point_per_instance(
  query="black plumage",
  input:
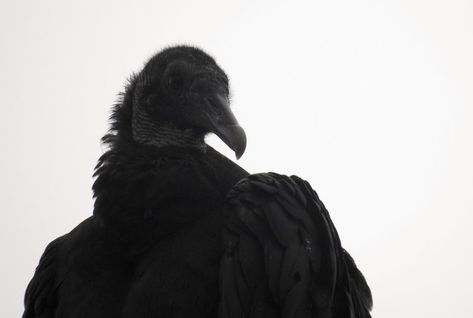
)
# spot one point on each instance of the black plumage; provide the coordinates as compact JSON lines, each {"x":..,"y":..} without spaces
{"x":283,"y":256}
{"x":178,"y":230}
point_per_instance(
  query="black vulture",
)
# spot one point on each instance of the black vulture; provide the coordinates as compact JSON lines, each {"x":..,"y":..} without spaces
{"x":179,"y":230}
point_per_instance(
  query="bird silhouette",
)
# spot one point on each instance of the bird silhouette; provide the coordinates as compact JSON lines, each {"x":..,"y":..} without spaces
{"x":179,"y":230}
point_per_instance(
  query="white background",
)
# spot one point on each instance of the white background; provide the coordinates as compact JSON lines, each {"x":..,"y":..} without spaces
{"x":370,"y":101}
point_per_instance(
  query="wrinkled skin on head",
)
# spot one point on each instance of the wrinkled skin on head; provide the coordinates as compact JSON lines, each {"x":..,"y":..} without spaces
{"x":184,"y":87}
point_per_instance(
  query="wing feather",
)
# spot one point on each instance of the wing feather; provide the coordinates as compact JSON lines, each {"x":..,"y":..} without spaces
{"x":283,"y":256}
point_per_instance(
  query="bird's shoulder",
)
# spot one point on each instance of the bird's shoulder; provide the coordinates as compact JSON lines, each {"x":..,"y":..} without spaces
{"x":41,"y":294}
{"x":86,"y":265}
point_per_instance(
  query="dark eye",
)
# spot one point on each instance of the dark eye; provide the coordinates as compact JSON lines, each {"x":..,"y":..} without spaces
{"x":175,"y":82}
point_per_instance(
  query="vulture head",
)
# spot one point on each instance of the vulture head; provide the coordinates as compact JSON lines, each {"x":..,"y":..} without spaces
{"x":180,"y":96}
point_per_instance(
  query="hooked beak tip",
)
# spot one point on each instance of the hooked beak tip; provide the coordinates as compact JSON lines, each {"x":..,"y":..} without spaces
{"x":234,"y":136}
{"x":240,"y":150}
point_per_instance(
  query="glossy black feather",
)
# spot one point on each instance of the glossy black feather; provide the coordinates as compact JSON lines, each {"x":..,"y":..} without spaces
{"x":283,"y":256}
{"x":153,"y":246}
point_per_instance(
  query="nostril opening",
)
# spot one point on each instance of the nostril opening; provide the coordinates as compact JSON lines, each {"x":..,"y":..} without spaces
{"x":211,"y":102}
{"x":215,"y":106}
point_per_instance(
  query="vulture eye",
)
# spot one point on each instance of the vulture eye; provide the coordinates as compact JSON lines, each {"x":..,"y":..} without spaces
{"x":175,"y":82}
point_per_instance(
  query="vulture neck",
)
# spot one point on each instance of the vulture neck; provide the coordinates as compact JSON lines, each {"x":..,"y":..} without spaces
{"x":147,"y":131}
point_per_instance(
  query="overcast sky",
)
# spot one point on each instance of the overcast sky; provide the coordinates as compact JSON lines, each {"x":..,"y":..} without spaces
{"x":370,"y":101}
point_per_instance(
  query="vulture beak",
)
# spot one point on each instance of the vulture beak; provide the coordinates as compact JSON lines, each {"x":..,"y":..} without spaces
{"x":225,"y":126}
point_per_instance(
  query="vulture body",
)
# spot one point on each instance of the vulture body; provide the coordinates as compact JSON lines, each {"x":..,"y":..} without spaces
{"x":179,"y":230}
